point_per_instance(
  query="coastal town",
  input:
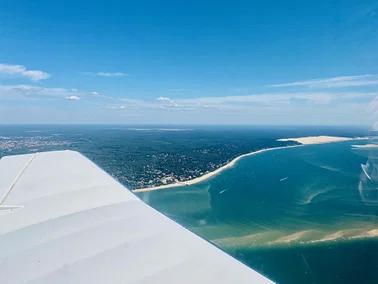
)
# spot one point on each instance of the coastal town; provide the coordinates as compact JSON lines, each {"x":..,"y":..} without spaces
{"x":138,"y":166}
{"x":152,"y":167}
{"x":30,"y":144}
{"x":166,"y":169}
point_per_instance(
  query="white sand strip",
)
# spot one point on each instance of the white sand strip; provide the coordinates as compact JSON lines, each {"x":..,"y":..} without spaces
{"x":320,"y":139}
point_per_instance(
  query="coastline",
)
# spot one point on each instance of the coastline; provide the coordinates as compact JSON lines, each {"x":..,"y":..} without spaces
{"x":210,"y":174}
{"x":302,"y":140}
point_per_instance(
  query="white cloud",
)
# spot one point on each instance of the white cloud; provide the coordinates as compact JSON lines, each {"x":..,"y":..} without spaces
{"x":179,"y":90}
{"x":343,"y":81}
{"x":107,"y":74}
{"x":271,"y":101}
{"x":110,"y":74}
{"x":133,"y":104}
{"x":168,"y":103}
{"x":73,"y":98}
{"x":21,"y":71}
{"x":132,"y":101}
{"x":285,"y":107}
{"x":19,"y":92}
{"x":280,"y":102}
{"x":96,"y":94}
{"x":163,"y":99}
{"x":115,"y":107}
{"x":25,"y":88}
{"x":277,"y":100}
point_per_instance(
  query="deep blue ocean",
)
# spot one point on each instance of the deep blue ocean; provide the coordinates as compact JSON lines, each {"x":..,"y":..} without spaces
{"x":297,"y":215}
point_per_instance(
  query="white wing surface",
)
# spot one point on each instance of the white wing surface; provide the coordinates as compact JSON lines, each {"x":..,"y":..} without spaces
{"x":64,"y":220}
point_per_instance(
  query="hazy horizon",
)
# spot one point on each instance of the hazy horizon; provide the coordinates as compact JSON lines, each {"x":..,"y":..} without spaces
{"x":189,"y":124}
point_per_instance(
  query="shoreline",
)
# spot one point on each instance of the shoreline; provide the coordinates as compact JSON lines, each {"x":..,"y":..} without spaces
{"x":210,"y":174}
{"x":311,"y":140}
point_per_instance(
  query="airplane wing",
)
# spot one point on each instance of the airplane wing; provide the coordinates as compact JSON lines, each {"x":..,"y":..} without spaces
{"x":64,"y":220}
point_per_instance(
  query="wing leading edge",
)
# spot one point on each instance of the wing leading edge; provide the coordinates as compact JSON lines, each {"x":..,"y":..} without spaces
{"x":64,"y":220}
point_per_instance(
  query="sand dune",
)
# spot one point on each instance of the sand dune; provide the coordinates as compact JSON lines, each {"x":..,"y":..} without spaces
{"x":319,"y":139}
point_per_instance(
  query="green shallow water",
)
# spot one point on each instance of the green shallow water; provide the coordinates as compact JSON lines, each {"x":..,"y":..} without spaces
{"x":296,"y":215}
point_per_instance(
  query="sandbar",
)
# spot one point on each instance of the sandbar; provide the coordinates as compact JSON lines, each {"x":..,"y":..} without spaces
{"x":320,"y":139}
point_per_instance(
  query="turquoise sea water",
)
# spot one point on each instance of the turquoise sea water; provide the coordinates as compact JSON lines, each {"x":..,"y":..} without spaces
{"x":297,"y":215}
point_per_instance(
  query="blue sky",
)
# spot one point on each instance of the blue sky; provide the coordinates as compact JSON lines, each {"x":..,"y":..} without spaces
{"x":192,"y":62}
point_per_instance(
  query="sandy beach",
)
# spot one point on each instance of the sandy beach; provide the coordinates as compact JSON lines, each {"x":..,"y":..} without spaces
{"x":211,"y":174}
{"x":303,"y":140}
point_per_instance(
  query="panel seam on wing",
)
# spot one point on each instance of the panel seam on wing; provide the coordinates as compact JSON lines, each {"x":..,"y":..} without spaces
{"x":16,"y":179}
